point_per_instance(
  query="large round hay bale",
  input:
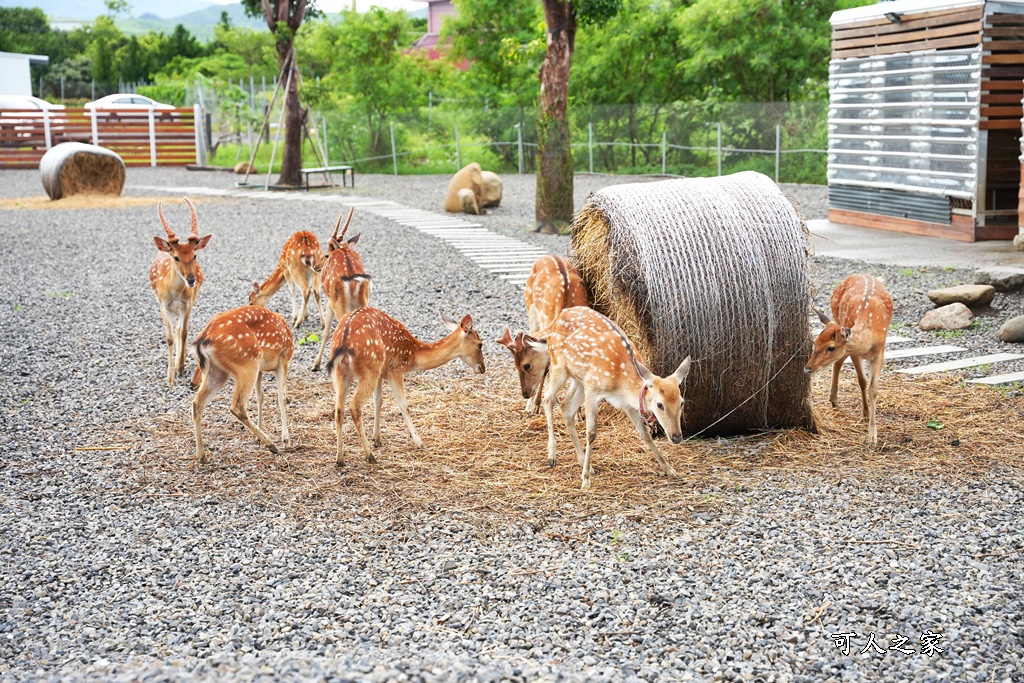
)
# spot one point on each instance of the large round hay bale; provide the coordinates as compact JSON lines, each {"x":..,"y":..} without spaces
{"x":490,"y":189}
{"x":72,"y":168}
{"x":713,"y":268}
{"x":467,"y":177}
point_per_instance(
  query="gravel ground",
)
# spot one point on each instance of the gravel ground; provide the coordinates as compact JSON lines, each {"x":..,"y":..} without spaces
{"x":101,"y":583}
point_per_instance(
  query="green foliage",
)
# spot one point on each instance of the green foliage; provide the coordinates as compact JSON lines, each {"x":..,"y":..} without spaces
{"x":934,"y":424}
{"x":595,"y":11}
{"x":168,"y":93}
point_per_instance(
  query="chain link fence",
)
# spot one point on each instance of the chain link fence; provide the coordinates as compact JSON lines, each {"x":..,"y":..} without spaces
{"x":784,"y":140}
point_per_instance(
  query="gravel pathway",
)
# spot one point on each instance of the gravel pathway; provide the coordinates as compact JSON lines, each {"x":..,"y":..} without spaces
{"x":99,"y":582}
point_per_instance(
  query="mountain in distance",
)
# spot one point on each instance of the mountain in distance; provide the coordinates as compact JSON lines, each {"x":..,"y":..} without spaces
{"x":87,"y":10}
{"x":199,"y":22}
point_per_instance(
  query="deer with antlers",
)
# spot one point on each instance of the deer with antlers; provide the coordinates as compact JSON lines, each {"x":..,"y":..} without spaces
{"x":554,"y":284}
{"x":299,"y":267}
{"x":593,"y":356}
{"x":861,"y":314}
{"x":242,"y":344}
{"x":344,"y":279}
{"x":176,"y":276}
{"x":370,"y":347}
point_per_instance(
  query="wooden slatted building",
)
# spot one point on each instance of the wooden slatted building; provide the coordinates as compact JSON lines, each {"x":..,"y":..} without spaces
{"x":925,"y":117}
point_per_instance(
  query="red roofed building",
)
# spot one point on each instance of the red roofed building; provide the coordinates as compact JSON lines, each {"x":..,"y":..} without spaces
{"x":437,"y":10}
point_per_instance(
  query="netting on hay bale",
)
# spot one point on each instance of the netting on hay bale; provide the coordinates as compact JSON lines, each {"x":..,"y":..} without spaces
{"x":72,"y":168}
{"x":713,"y":268}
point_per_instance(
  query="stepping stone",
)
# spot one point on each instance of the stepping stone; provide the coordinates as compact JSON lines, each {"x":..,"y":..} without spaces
{"x":999,"y":379}
{"x":970,"y":295}
{"x":962,"y":363}
{"x":1003,"y":279}
{"x":920,"y":351}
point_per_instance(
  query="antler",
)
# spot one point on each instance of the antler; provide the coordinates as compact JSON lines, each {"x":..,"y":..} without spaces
{"x":335,"y":236}
{"x":194,"y":235}
{"x":171,"y":237}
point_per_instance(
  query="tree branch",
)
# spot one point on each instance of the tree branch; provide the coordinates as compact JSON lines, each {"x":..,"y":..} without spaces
{"x":268,"y":14}
{"x":300,"y":13}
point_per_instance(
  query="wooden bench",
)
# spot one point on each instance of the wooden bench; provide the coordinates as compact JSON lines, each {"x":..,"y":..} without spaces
{"x":347,"y":173}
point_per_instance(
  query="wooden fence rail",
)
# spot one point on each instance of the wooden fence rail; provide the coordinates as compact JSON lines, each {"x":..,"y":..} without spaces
{"x":143,"y":137}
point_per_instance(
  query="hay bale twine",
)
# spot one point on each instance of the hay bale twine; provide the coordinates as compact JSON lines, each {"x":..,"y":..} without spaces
{"x":72,"y":168}
{"x":713,"y":268}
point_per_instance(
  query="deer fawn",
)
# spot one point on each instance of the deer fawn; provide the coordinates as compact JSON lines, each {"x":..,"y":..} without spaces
{"x":370,"y":347}
{"x":243,"y":343}
{"x":591,"y":353}
{"x":862,"y":311}
{"x":345,"y":282}
{"x":176,"y":277}
{"x":299,"y":267}
{"x":553,"y":284}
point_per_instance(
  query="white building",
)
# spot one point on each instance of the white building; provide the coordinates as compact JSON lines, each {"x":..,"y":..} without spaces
{"x":15,"y":78}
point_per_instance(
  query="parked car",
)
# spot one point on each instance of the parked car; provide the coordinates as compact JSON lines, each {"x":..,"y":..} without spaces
{"x":26,"y":102}
{"x":126,"y":101}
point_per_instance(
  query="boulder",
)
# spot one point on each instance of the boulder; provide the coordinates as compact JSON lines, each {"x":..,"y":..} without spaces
{"x":490,"y":189}
{"x":952,"y":317}
{"x":243,"y":167}
{"x":1003,"y":279}
{"x":468,"y":177}
{"x":971,"y":295}
{"x":1018,"y":242}
{"x":467,"y":202}
{"x":1012,"y":330}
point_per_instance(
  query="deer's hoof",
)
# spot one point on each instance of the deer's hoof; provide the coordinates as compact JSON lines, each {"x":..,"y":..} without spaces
{"x":273,"y":448}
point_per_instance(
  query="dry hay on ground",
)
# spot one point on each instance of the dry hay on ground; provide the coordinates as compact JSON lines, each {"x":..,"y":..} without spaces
{"x":714,"y":269}
{"x":80,"y":201}
{"x":483,"y":453}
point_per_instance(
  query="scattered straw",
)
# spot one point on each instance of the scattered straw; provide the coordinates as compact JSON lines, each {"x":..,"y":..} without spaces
{"x":483,"y":453}
{"x":80,"y":201}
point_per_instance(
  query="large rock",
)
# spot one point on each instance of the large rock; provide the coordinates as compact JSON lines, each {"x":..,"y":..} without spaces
{"x":1003,"y":279}
{"x":970,"y":295}
{"x":243,"y":167}
{"x":490,"y":189}
{"x":468,"y":177}
{"x":1012,"y":330}
{"x":952,"y":317}
{"x":1018,"y":242}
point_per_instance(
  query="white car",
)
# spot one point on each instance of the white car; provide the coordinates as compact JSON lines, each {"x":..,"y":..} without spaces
{"x":126,"y":101}
{"x":26,"y":102}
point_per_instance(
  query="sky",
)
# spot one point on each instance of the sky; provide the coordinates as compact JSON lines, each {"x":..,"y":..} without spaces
{"x":361,"y":5}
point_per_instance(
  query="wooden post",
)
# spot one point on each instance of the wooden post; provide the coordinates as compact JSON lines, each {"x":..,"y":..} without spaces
{"x":394,"y":152}
{"x":46,"y":127}
{"x":778,"y":149}
{"x":590,"y":144}
{"x":458,"y":152}
{"x":664,"y":143}
{"x":519,"y":133}
{"x":197,"y":113}
{"x":719,"y":127}
{"x":152,"y":138}
{"x":95,"y":128}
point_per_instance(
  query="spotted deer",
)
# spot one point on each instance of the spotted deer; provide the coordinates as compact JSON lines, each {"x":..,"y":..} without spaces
{"x":370,"y":347}
{"x":553,"y":285}
{"x":299,"y":267}
{"x":176,"y":277}
{"x":861,"y":314}
{"x":593,"y":356}
{"x":344,"y":279}
{"x":242,"y":344}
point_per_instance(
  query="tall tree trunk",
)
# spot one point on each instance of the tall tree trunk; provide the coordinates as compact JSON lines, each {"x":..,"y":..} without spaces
{"x":294,"y":118}
{"x":554,"y":153}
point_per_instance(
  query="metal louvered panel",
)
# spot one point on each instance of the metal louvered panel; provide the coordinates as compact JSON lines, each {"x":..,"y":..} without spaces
{"x":931,"y":208}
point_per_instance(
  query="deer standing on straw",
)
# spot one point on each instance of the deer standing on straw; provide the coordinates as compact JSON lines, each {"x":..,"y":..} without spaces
{"x":344,"y":279}
{"x":553,"y":285}
{"x":242,"y":344}
{"x":370,"y":347}
{"x":299,"y":267}
{"x":590,"y":353}
{"x":175,"y":276}
{"x":862,"y":312}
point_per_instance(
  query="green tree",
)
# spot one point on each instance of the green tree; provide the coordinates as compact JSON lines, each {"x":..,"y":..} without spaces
{"x":284,"y":17}
{"x":106,"y":39}
{"x":502,"y":42}
{"x":554,"y":152}
{"x":255,"y":48}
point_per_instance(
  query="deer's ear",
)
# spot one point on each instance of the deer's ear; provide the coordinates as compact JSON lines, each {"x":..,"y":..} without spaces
{"x":353,"y":239}
{"x":644,"y":373}
{"x":449,"y":322}
{"x":682,"y":371}
{"x":162,"y":244}
{"x":537,"y":344}
{"x":467,"y":323}
{"x":203,"y":241}
{"x":846,"y":333}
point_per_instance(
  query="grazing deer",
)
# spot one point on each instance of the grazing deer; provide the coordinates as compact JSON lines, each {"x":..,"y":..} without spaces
{"x":861,"y":312}
{"x":553,"y":284}
{"x":176,"y":277}
{"x":591,"y":353}
{"x":370,"y":347}
{"x":243,"y":343}
{"x":299,"y":267}
{"x":344,"y":279}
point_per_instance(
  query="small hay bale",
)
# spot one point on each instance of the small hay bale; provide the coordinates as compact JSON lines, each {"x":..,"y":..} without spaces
{"x":490,"y":189}
{"x":713,"y":268}
{"x":72,"y":168}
